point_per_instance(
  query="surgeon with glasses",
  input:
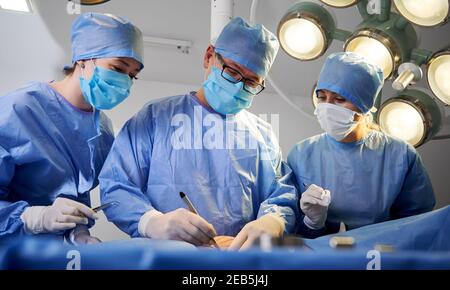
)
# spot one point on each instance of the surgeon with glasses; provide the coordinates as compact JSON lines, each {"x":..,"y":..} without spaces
{"x":231,"y":169}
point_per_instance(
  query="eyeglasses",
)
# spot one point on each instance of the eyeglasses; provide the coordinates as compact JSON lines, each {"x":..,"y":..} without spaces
{"x":234,"y":76}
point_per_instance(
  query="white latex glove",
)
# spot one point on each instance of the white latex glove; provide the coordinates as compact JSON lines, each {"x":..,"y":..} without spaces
{"x":80,"y":235}
{"x":314,"y":204}
{"x":270,"y":224}
{"x":63,"y":214}
{"x":180,"y":224}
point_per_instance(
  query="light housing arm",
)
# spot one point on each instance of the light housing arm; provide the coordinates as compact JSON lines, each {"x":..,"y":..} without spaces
{"x":408,"y":73}
{"x":341,"y":35}
{"x":442,"y":137}
{"x":385,"y":10}
{"x":362,"y":9}
{"x":401,"y":23}
{"x":420,"y":56}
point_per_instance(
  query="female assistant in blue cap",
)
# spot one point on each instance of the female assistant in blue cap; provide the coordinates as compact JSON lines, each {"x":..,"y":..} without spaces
{"x":354,"y":173}
{"x":53,"y":138}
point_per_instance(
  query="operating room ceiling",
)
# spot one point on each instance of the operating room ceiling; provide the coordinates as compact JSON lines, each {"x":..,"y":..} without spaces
{"x":190,"y":20}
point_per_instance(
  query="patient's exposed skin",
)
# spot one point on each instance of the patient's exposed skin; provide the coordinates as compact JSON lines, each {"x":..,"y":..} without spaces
{"x":223,"y":241}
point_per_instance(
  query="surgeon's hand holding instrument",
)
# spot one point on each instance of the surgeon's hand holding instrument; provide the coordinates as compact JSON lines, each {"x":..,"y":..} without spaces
{"x":180,"y":224}
{"x":191,"y":207}
{"x":81,"y":235}
{"x":63,"y":214}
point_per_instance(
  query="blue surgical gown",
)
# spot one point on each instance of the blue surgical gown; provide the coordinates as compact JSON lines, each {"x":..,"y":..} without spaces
{"x":48,"y":148}
{"x":376,"y":179}
{"x":228,"y":185}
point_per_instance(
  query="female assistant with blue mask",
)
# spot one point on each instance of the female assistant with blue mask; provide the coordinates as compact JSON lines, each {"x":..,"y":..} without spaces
{"x":354,"y":173}
{"x":53,"y":138}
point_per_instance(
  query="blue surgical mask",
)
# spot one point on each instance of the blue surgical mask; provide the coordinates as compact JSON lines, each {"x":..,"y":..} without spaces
{"x":225,"y":97}
{"x":106,"y":88}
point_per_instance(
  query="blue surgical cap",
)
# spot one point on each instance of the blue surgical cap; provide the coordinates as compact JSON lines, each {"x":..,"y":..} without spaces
{"x":353,"y":77}
{"x":252,"y":46}
{"x":96,"y":35}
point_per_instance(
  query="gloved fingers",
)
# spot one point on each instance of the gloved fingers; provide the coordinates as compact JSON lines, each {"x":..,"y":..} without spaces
{"x":314,"y":191}
{"x":86,"y":211}
{"x":197,"y":233}
{"x":239,"y":240}
{"x":56,"y":226}
{"x":70,"y":210}
{"x":308,"y":200}
{"x":184,"y":235}
{"x":77,"y":212}
{"x":325,"y":200}
{"x":315,"y":201}
{"x":73,"y":211}
{"x":315,"y":187}
{"x":327,"y":197}
{"x":249,"y":242}
{"x":72,"y":219}
{"x":323,"y":196}
{"x":202,"y":224}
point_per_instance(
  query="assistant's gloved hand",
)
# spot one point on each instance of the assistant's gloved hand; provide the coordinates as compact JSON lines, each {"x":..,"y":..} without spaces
{"x":314,"y":204}
{"x":271,"y":224}
{"x":80,"y":235}
{"x":63,"y":214}
{"x":180,"y":224}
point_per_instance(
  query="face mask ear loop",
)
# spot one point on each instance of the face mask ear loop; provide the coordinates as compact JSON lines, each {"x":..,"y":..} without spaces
{"x":212,"y":65}
{"x":82,"y":66}
{"x":96,"y":111}
{"x":217,"y":62}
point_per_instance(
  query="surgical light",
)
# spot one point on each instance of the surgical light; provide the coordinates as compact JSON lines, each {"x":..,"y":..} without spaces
{"x":92,"y":2}
{"x":16,"y":5}
{"x":438,"y":74}
{"x":339,"y":3}
{"x":306,"y":31}
{"x":412,"y":116}
{"x":375,"y":51}
{"x":424,"y":12}
{"x":384,"y":43}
